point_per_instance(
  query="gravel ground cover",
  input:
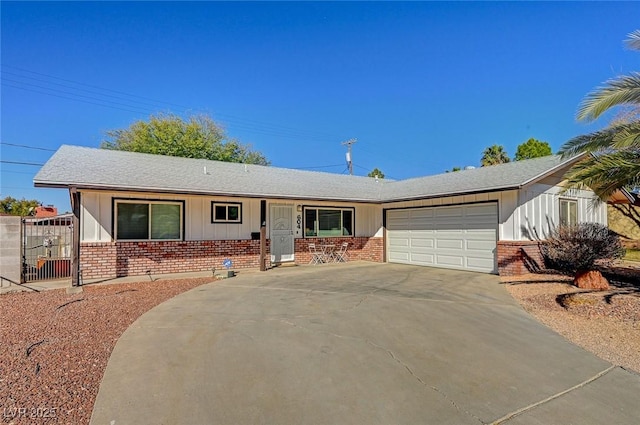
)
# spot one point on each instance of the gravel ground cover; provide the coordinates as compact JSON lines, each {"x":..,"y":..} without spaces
{"x":54,"y":347}
{"x":606,"y":323}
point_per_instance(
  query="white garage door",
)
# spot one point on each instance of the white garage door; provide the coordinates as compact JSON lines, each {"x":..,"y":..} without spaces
{"x":458,"y":237}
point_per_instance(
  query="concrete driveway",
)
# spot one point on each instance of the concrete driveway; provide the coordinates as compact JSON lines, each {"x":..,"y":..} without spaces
{"x":358,"y":343}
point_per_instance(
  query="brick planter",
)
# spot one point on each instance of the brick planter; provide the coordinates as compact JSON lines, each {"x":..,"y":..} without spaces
{"x":519,"y":257}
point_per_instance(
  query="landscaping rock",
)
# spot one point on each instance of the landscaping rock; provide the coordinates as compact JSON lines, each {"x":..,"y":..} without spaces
{"x":591,"y":279}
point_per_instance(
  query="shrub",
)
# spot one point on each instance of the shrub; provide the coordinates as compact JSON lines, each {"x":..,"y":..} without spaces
{"x":570,"y":249}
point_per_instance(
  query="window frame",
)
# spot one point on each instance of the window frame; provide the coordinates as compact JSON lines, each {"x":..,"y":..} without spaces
{"x":564,"y":204}
{"x":214,"y":204}
{"x":316,"y":230}
{"x":149,"y":202}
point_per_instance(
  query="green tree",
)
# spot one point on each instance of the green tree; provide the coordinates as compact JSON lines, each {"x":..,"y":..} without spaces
{"x":197,"y":137}
{"x":532,"y":148}
{"x":615,"y":159}
{"x":376,"y":173}
{"x":494,"y":155}
{"x":453,"y":170}
{"x":13,"y":206}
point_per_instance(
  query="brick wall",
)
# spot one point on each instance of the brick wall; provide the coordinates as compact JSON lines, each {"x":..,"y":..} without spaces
{"x":116,"y":259}
{"x":360,"y":248}
{"x":519,"y":257}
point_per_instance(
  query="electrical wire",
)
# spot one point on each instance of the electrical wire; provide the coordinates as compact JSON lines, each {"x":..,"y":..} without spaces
{"x":258,"y":127}
{"x":21,"y":163}
{"x":27,"y":146}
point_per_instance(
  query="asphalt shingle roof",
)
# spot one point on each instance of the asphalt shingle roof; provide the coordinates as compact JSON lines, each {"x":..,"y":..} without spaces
{"x":484,"y":179}
{"x":90,"y":168}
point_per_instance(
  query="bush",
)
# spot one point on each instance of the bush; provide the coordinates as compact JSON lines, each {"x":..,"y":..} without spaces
{"x":570,"y":249}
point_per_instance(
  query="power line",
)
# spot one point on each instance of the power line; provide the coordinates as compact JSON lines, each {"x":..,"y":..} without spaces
{"x":70,"y":98}
{"x":22,"y":163}
{"x":140,"y":110}
{"x":248,"y":125}
{"x":73,"y":88}
{"x":92,"y":86}
{"x":27,"y":147}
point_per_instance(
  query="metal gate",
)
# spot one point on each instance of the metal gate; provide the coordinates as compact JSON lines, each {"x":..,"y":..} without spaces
{"x":46,"y":247}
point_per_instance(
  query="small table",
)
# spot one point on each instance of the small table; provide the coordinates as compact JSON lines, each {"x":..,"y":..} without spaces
{"x":328,"y":252}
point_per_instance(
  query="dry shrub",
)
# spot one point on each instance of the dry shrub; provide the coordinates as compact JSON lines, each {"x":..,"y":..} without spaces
{"x":575,"y":248}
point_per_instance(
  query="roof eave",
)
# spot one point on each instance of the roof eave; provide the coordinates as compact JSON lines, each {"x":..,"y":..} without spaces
{"x":552,"y":170}
{"x":442,"y":195}
{"x":96,"y":187}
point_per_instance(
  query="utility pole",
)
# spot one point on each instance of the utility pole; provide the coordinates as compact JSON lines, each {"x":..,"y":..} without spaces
{"x":348,"y":143}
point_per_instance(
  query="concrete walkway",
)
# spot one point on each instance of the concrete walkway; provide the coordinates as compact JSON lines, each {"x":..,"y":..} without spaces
{"x":356,"y":344}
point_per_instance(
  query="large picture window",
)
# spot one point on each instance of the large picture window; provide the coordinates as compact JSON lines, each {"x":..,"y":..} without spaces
{"x":328,"y":222}
{"x":148,"y":220}
{"x":226,"y":212}
{"x":568,"y":212}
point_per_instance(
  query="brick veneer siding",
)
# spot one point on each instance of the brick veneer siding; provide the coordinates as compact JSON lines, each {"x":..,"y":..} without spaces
{"x":519,"y":257}
{"x":360,"y":248}
{"x":116,"y":259}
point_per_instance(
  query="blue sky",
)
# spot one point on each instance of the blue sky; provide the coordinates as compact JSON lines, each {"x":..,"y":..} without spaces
{"x":423,"y":86}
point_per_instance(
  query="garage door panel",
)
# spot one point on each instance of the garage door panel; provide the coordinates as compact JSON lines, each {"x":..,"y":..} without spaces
{"x":398,"y":225}
{"x":448,"y":212}
{"x":449,"y":260}
{"x":481,"y":245}
{"x":459,"y":237}
{"x":397,"y":256}
{"x":420,"y":214}
{"x":422,"y":242}
{"x":488,"y":210}
{"x":399,"y":243}
{"x":457,"y":244}
{"x":422,"y":259}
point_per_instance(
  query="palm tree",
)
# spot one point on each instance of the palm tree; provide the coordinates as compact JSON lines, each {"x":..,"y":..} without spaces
{"x":615,"y":160}
{"x":494,"y":155}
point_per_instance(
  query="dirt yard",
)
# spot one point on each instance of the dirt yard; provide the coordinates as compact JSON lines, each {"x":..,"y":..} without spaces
{"x":55,"y":346}
{"x":606,"y":323}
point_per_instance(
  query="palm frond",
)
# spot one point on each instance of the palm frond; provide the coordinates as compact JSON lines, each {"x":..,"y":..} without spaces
{"x":621,"y":136}
{"x":617,"y":91}
{"x":633,"y":40}
{"x":606,"y":174}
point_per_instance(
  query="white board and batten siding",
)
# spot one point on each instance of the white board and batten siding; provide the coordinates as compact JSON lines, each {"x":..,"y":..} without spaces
{"x":458,"y":236}
{"x":96,"y":215}
{"x":539,"y":210}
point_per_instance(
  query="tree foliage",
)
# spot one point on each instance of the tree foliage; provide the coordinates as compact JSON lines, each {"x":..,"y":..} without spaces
{"x":615,"y":160}
{"x":532,"y":148}
{"x":570,"y":249}
{"x":376,"y":173}
{"x":494,"y":155}
{"x":21,"y":207}
{"x":453,"y":170}
{"x":197,"y":137}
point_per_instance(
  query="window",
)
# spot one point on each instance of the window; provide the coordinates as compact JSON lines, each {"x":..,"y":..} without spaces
{"x":568,"y":212}
{"x":328,"y":222}
{"x":148,"y":220}
{"x":228,"y":212}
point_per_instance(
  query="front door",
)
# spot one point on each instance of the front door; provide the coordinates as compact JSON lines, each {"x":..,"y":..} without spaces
{"x":281,"y":233}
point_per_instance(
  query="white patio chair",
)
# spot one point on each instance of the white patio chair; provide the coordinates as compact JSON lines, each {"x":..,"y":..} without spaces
{"x":317,"y":256}
{"x":340,"y":255}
